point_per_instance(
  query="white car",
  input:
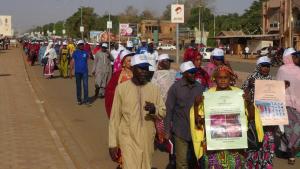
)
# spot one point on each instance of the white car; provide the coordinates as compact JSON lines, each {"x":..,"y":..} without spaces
{"x":206,"y":53}
{"x":166,"y":47}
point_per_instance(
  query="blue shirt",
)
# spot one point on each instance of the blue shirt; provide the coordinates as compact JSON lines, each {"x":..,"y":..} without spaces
{"x":142,"y":50}
{"x":80,"y":58}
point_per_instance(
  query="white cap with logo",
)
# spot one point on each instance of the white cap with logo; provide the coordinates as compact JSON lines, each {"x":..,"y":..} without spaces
{"x":80,"y":42}
{"x":139,"y":60}
{"x":186,"y":66}
{"x":104,"y":45}
{"x":263,"y":59}
{"x":288,"y":51}
{"x":126,"y":53}
{"x":217,"y":52}
{"x":164,"y":57}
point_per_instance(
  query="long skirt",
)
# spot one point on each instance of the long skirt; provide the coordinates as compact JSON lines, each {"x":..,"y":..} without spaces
{"x":49,"y":68}
{"x":292,"y":133}
{"x":262,"y":158}
{"x":226,"y":159}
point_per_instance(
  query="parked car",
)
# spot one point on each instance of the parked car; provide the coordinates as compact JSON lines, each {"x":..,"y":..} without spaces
{"x":206,"y":53}
{"x":166,"y":47}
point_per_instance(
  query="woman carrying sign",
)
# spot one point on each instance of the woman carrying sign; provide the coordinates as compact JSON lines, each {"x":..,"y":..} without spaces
{"x":262,"y":157}
{"x":228,"y":159}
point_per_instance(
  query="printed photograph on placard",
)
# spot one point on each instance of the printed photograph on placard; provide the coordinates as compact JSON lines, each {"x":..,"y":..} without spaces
{"x":268,"y":108}
{"x":226,"y":126}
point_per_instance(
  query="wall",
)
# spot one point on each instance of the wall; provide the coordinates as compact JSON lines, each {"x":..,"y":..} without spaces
{"x":5,"y":25}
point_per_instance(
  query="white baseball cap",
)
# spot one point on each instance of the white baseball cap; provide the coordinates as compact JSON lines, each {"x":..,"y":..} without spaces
{"x":263,"y":60}
{"x":188,"y":66}
{"x":126,"y":53}
{"x":80,"y":42}
{"x":64,"y":43}
{"x":104,"y":45}
{"x":164,"y":57}
{"x":217,"y":52}
{"x":288,"y":51}
{"x":129,"y":44}
{"x":140,"y":60}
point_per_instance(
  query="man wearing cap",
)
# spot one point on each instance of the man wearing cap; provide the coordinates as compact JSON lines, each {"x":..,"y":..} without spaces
{"x":164,"y":78}
{"x":63,"y":60}
{"x":131,"y":128}
{"x":181,"y":97}
{"x":142,"y":49}
{"x":129,"y":46}
{"x":102,"y":70}
{"x":80,"y":60}
{"x":152,"y":56}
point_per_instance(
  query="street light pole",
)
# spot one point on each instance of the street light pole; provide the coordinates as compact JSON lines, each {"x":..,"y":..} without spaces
{"x":109,"y":32}
{"x":177,"y":42}
{"x":81,"y":22}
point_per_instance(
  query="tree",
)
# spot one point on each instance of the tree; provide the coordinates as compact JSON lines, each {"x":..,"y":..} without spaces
{"x":130,"y":15}
{"x":147,"y":14}
{"x":89,"y":21}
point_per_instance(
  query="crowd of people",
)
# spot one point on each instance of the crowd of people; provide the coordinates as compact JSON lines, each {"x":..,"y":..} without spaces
{"x":151,"y":106}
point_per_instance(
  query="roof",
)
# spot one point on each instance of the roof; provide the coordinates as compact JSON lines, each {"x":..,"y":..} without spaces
{"x":248,"y":36}
{"x":231,"y":33}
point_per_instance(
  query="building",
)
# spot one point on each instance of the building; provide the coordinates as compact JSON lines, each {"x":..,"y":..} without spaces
{"x":166,"y":30}
{"x":282,"y":17}
{"x":5,"y":26}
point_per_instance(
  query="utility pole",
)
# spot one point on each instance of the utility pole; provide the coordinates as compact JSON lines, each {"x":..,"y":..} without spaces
{"x":81,"y":22}
{"x":177,"y":42}
{"x":214,"y":25}
{"x":109,"y":32}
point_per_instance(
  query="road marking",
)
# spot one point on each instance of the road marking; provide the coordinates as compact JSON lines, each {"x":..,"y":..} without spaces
{"x":58,"y":142}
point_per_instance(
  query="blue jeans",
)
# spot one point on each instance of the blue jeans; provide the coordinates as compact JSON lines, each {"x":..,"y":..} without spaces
{"x":82,"y":77}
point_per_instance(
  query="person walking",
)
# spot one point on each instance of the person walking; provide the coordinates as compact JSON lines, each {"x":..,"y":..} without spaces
{"x":63,"y":60}
{"x":102,"y":70}
{"x":289,"y":72}
{"x":42,"y":51}
{"x":246,"y":52}
{"x":131,"y":125}
{"x":180,"y":99}
{"x":51,"y":56}
{"x":164,"y":78}
{"x":263,"y":157}
{"x":80,"y":62}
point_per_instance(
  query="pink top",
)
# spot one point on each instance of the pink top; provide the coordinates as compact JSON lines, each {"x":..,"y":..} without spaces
{"x":290,"y":72}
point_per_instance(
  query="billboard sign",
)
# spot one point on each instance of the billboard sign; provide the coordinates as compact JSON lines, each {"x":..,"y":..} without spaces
{"x":95,"y":35}
{"x":5,"y":25}
{"x":128,"y":29}
{"x":177,"y":13}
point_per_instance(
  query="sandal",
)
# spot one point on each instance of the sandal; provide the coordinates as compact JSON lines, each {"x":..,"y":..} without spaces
{"x":291,"y":161}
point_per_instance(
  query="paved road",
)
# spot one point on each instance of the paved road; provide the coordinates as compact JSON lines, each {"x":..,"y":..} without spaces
{"x":81,"y":129}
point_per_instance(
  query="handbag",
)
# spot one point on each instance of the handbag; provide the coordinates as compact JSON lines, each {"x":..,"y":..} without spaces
{"x":253,"y":143}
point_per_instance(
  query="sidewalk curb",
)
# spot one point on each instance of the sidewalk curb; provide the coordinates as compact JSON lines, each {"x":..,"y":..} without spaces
{"x":58,"y":142}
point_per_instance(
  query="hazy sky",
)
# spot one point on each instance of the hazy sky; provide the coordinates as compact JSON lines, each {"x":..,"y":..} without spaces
{"x":26,"y":13}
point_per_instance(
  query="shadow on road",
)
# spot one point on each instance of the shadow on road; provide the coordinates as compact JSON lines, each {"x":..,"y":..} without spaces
{"x":4,"y":75}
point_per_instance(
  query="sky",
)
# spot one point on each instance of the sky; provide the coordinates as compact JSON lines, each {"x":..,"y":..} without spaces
{"x":29,"y":13}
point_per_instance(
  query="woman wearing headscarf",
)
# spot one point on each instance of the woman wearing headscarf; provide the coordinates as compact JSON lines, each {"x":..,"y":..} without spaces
{"x":51,"y":56}
{"x":227,"y":159}
{"x":289,"y":72}
{"x":263,"y":157}
{"x":121,"y":75}
{"x":201,"y":75}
